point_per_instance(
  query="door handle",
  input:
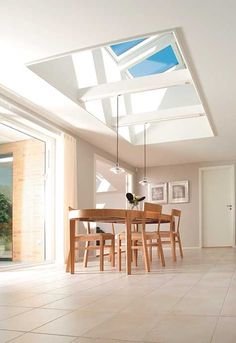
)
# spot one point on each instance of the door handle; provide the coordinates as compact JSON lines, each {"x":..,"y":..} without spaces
{"x":229,"y":207}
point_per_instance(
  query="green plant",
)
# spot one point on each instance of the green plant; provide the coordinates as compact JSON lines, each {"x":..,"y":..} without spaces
{"x":5,"y":218}
{"x":5,"y":209}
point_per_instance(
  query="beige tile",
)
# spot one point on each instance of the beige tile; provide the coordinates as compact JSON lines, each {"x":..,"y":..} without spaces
{"x":229,"y":307}
{"x":11,"y":298}
{"x":183,"y":329}
{"x":225,"y":330}
{"x":6,"y":336}
{"x":185,"y":279}
{"x":75,"y":323}
{"x":154,"y":306}
{"x":110,"y":303}
{"x":40,"y":338}
{"x":10,"y":311}
{"x":124,"y":326}
{"x":216,"y":279}
{"x":98,"y":340}
{"x":201,"y":301}
{"x":31,"y":319}
{"x":39,"y":300}
{"x":73,"y":302}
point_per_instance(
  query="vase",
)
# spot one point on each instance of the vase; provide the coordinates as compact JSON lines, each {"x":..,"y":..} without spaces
{"x":134,"y":207}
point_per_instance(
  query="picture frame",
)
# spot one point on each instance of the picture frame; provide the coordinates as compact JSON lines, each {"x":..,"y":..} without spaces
{"x":178,"y":192}
{"x":158,"y":193}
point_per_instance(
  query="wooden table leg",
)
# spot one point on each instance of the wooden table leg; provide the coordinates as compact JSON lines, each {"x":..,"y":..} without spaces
{"x":72,"y":246}
{"x":128,"y":244}
{"x":68,"y":262}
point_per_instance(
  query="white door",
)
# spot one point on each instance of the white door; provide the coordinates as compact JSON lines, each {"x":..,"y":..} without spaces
{"x":217,"y":206}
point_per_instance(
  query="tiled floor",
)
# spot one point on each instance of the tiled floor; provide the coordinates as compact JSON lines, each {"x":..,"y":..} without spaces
{"x":193,"y":300}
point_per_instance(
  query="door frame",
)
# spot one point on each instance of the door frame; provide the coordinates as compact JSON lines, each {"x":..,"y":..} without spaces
{"x":201,"y":170}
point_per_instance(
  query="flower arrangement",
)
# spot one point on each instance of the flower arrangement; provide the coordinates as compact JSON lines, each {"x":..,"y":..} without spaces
{"x":134,"y":199}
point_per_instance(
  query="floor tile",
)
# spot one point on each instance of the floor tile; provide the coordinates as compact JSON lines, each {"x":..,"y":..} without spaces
{"x":98,"y":340}
{"x":39,"y":300}
{"x":229,"y":307}
{"x":110,"y":303}
{"x":10,"y":311}
{"x":72,"y":302}
{"x":201,"y":301}
{"x":124,"y":326}
{"x":40,"y":338}
{"x":183,"y":329}
{"x":194,"y":296}
{"x":225,"y":330}
{"x":6,"y":335}
{"x":75,"y":323}
{"x":31,"y":319}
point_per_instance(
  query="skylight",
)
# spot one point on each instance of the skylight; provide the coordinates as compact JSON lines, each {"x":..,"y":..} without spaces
{"x":160,"y":62}
{"x":121,"y":48}
{"x":152,"y":79}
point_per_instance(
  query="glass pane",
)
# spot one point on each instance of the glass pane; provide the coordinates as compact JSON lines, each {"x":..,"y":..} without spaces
{"x":22,"y":197}
{"x":155,"y":64}
{"x":120,"y":48}
{"x":6,"y":181}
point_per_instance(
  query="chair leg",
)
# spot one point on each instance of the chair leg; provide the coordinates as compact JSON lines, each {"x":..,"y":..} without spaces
{"x":173,"y":250}
{"x":160,"y":253}
{"x":119,"y":253}
{"x":158,"y":250}
{"x":150,"y":250}
{"x":180,"y":247}
{"x":135,"y":251}
{"x":68,"y":263}
{"x":113,"y":252}
{"x":145,"y":255}
{"x":86,"y":253}
{"x":101,"y":254}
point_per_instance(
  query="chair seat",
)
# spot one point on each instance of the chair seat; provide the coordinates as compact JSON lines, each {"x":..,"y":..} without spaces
{"x":167,"y":233}
{"x":94,"y":236}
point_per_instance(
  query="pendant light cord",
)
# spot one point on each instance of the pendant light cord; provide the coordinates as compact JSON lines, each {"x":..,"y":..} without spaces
{"x":117,"y":130}
{"x":145,"y":152}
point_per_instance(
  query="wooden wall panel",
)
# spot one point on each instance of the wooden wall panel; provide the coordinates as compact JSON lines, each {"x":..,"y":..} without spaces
{"x":28,"y":199}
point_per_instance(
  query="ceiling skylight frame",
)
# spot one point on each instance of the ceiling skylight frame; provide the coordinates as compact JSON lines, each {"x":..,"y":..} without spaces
{"x":129,"y":58}
{"x":146,"y":49}
{"x":147,"y":40}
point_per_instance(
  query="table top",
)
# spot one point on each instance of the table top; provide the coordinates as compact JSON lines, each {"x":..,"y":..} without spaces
{"x":115,"y":215}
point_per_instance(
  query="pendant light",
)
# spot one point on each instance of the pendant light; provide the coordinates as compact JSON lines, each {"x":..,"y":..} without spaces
{"x":144,"y":181}
{"x":117,"y":169}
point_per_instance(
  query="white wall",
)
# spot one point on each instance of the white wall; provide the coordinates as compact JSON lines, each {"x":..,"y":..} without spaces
{"x":190,"y":211}
{"x":87,"y":170}
{"x":86,"y":180}
{"x":111,"y":200}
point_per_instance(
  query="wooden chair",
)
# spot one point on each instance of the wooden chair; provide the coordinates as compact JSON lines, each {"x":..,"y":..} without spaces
{"x":139,"y":240}
{"x":149,"y":206}
{"x":99,"y":238}
{"x":172,"y":236}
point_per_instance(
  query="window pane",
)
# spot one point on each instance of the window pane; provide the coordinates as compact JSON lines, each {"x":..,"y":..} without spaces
{"x":120,"y":48}
{"x":155,"y":64}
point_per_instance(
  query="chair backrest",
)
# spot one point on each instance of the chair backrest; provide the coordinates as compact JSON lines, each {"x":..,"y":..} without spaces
{"x":149,"y":206}
{"x":175,"y":214}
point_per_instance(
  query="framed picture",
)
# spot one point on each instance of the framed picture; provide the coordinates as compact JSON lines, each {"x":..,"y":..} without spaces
{"x":178,"y":192}
{"x":158,"y":193}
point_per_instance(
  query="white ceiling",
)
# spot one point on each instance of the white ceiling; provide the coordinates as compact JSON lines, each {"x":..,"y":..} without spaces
{"x":35,"y":30}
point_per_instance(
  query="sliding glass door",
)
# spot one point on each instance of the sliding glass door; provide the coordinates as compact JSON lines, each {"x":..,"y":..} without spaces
{"x":6,"y":191}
